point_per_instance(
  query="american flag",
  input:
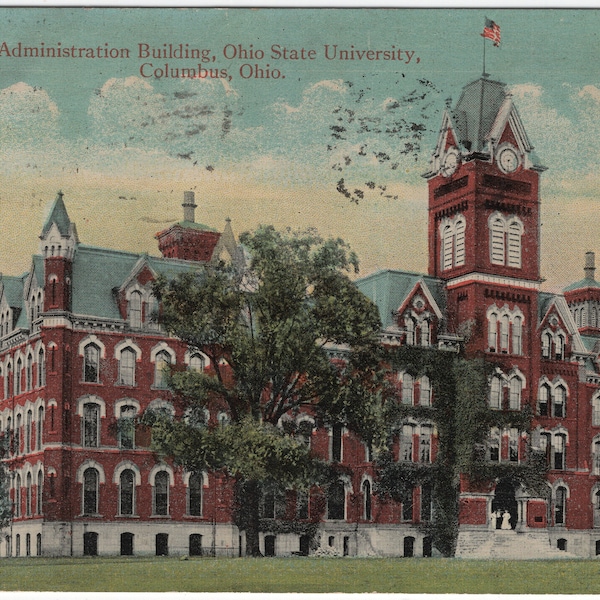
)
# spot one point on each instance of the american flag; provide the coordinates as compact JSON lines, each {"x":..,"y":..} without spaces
{"x":491,"y":31}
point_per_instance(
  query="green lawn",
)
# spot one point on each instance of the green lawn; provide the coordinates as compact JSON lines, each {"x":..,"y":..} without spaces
{"x":306,"y":575}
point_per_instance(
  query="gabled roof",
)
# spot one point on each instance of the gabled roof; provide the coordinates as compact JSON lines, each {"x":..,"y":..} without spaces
{"x":99,"y":272}
{"x":588,"y":282}
{"x":558,"y":302}
{"x":13,"y":290}
{"x":389,"y":289}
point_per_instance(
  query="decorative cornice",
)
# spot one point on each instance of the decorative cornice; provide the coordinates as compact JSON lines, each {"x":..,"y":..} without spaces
{"x":493,"y":279}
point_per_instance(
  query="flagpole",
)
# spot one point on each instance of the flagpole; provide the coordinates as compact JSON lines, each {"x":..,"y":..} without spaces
{"x":484,"y":74}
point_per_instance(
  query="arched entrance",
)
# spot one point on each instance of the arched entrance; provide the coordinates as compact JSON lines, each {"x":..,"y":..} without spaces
{"x":505,"y":501}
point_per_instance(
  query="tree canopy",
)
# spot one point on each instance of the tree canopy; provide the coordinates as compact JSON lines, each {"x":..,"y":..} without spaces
{"x":289,"y":332}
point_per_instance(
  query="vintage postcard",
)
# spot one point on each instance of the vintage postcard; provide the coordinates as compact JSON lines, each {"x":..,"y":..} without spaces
{"x":302,"y":283}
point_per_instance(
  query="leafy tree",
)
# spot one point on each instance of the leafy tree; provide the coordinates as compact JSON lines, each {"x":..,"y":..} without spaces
{"x":267,"y":330}
{"x":5,"y":503}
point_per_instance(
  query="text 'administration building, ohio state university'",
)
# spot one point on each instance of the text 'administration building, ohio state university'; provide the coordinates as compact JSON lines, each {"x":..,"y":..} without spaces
{"x":78,"y":354}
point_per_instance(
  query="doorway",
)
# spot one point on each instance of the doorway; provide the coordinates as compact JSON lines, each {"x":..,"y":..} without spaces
{"x":504,"y":501}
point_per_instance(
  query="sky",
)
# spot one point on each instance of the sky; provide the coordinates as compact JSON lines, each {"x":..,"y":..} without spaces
{"x":287,"y":122}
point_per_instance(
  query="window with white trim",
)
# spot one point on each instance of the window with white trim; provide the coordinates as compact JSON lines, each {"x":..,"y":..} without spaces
{"x":515,"y":391}
{"x":127,"y":360}
{"x":194,"y":495}
{"x":127,"y":493}
{"x":161,"y":493}
{"x":496,"y":392}
{"x":134,"y":309}
{"x":90,"y":491}
{"x":407,"y":389}
{"x":91,"y":425}
{"x":91,"y":363}
{"x":161,"y":369}
{"x":424,"y":391}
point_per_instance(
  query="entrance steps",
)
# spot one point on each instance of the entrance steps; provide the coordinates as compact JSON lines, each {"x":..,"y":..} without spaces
{"x":508,"y":545}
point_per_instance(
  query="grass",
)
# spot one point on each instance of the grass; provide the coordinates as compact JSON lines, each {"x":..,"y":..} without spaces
{"x":306,"y":575}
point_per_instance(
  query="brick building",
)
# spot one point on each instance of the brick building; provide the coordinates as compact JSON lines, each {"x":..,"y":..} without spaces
{"x":80,"y":357}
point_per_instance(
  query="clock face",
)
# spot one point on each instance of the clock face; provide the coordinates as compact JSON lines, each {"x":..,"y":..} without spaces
{"x":508,"y":160}
{"x":450,"y":163}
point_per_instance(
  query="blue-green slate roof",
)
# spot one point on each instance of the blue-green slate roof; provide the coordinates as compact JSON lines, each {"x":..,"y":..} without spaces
{"x":588,"y":282}
{"x":58,"y":214}
{"x":388,"y":290}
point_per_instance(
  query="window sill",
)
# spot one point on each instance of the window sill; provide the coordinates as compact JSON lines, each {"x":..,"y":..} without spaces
{"x":90,"y":516}
{"x":127,"y":516}
{"x":168,"y":517}
{"x":98,"y":383}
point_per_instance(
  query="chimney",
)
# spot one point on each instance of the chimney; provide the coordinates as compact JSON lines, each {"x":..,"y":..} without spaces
{"x":590,"y":265}
{"x":189,"y":207}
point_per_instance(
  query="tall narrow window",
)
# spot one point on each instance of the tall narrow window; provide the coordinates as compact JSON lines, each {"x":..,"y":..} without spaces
{"x":336,"y":442}
{"x":39,"y":428}
{"x":496,"y":393}
{"x":559,"y":348}
{"x":406,"y":443}
{"x":91,"y":425}
{"x":41,"y":369}
{"x":425,"y":391}
{"x":367,"y":500}
{"x":560,"y":396}
{"x":28,"y":494}
{"x":161,"y":493}
{"x":504,"y":328}
{"x":447,"y":247}
{"x":127,"y":367}
{"x":410,"y":331}
{"x":494,"y":445}
{"x":546,"y":344}
{"x":560,"y":506}
{"x":91,"y":363}
{"x":195,"y":495}
{"x":18,"y":376}
{"x":544,"y":400}
{"x":559,"y":452}
{"x":513,"y":445}
{"x":517,"y":335}
{"x":127,"y":427}
{"x":407,"y":389}
{"x":493,"y":332}
{"x":596,"y":410}
{"x":425,"y":333}
{"x":127,"y":493}
{"x":39,"y":492}
{"x":161,"y":369}
{"x":28,"y":431}
{"x":336,"y":501}
{"x":29,"y":373}
{"x":515,"y":231}
{"x":407,"y":505}
{"x":426,"y":504}
{"x":18,"y":426}
{"x":596,"y":459}
{"x":425,"y":444}
{"x":90,"y":491}
{"x":516,"y":386}
{"x":497,"y":241}
{"x":135,"y":310}
{"x":459,"y":246}
{"x":18,"y":496}
{"x":197,"y":363}
{"x":7,"y":378}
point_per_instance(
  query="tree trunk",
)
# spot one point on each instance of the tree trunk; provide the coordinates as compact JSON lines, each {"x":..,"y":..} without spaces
{"x":250,"y":507}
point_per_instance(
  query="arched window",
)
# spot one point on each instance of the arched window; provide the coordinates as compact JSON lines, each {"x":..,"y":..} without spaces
{"x":560,"y":398}
{"x":336,"y":501}
{"x":559,"y":349}
{"x":517,"y":335}
{"x":559,"y":451}
{"x":425,"y":444}
{"x":459,"y":244}
{"x":90,"y":491}
{"x":407,"y":389}
{"x":197,"y":363}
{"x":515,"y":232}
{"x":494,"y":445}
{"x":127,"y":367}
{"x":18,"y":434}
{"x":367,"y":500}
{"x":497,"y":245}
{"x":425,"y":333}
{"x":7,"y":378}
{"x":513,"y":445}
{"x":496,"y":392}
{"x":493,"y":332}
{"x":596,"y":409}
{"x":127,"y":427}
{"x":596,"y":458}
{"x":447,"y":247}
{"x":18,"y":486}
{"x":406,"y":443}
{"x":410,"y":326}
{"x":127,"y":493}
{"x":425,"y":391}
{"x":39,"y":492}
{"x":546,"y":344}
{"x":544,"y":400}
{"x":39,"y":428}
{"x":91,"y":425}
{"x":41,"y":368}
{"x":18,"y":376}
{"x":91,"y":363}
{"x":195,"y":495}
{"x":337,"y":432}
{"x":28,"y":431}
{"x":516,"y":387}
{"x":29,"y":373}
{"x":135,"y":310}
{"x":161,"y":369}
{"x":504,"y":330}
{"x":161,"y":493}
{"x":560,"y":506}
{"x":28,"y":492}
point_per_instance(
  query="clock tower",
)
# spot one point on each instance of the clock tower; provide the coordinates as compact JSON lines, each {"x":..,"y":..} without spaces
{"x":484,"y":230}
